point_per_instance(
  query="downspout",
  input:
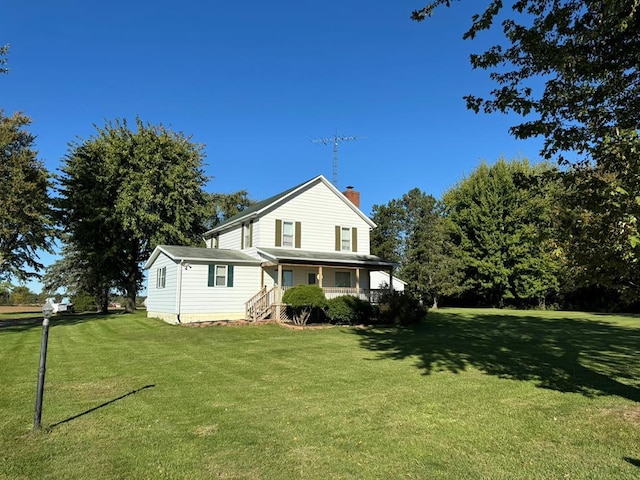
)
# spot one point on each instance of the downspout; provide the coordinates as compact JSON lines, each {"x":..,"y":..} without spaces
{"x":179,"y":291}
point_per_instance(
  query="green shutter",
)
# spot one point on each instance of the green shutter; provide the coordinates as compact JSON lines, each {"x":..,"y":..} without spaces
{"x":242,"y":237}
{"x":354,"y":239}
{"x":230,"y":276}
{"x":250,"y":234}
{"x":278,"y":233}
{"x":298,"y":240}
{"x":337,"y":238}
{"x":212,"y":276}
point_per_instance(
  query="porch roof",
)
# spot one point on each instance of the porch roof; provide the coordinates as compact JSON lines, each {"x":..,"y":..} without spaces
{"x":280,"y":255}
{"x":199,"y":254}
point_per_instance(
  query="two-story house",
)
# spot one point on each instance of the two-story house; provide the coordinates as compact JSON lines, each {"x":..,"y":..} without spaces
{"x":309,"y":234}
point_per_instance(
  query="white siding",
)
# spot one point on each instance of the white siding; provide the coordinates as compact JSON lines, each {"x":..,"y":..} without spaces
{"x":380,"y":279}
{"x":319,"y":210}
{"x":231,"y":239}
{"x":162,"y":299}
{"x":198,"y":298}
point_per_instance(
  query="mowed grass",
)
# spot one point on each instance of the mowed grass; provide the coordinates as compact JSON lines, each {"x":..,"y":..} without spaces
{"x":477,"y":394}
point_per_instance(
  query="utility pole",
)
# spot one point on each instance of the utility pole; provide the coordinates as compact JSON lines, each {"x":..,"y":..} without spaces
{"x":335,"y":140}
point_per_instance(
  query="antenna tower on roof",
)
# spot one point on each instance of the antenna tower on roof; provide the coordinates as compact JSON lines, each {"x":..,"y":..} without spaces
{"x":335,"y":140}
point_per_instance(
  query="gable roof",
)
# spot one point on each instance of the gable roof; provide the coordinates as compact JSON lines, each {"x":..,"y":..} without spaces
{"x":255,"y":210}
{"x":199,"y":254}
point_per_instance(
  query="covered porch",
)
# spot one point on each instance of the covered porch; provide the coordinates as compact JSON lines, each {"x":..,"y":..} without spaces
{"x":336,"y":273}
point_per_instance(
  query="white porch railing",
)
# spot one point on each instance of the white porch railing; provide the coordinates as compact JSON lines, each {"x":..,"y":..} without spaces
{"x":369,"y":294}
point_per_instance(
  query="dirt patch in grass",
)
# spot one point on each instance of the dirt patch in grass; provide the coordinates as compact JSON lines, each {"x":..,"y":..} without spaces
{"x":630,"y":414}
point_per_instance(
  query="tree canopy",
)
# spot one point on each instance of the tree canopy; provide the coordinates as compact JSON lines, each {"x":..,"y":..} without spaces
{"x":505,"y":234}
{"x":411,"y":231}
{"x":26,"y":224}
{"x":584,"y":52}
{"x":570,"y":68}
{"x":225,"y":205}
{"x":123,"y":192}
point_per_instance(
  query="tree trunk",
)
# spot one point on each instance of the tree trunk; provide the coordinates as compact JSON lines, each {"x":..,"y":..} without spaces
{"x":103,"y":301}
{"x":132,"y":290}
{"x":131,"y":294}
{"x":435,"y":303}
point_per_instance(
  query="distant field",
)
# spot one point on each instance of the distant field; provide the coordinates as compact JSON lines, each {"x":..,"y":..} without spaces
{"x":6,"y":309}
{"x":472,"y":394}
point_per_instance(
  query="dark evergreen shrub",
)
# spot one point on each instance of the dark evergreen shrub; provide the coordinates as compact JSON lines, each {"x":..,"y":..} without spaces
{"x":349,"y":310}
{"x":402,"y":309}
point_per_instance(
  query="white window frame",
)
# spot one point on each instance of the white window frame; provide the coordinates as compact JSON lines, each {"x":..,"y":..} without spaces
{"x":345,"y":243}
{"x":217,"y":276}
{"x":161,"y":277}
{"x":288,"y":240}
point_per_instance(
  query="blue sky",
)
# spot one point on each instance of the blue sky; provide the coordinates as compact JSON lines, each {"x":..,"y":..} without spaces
{"x":255,"y":82}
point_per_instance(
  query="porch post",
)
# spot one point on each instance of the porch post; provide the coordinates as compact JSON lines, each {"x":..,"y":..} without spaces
{"x":358,"y":282}
{"x":320,"y":276}
{"x":279,"y":293}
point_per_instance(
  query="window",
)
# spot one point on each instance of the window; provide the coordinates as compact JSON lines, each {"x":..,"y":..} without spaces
{"x":287,"y":278}
{"x":345,"y":239}
{"x":220,"y":276}
{"x":287,"y":234}
{"x":247,"y":234}
{"x":161,"y":277}
{"x":312,"y":278}
{"x":343,"y":279}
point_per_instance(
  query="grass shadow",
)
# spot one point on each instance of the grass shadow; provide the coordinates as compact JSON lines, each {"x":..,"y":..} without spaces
{"x":563,"y":354}
{"x":633,"y":461}
{"x":98,"y":407}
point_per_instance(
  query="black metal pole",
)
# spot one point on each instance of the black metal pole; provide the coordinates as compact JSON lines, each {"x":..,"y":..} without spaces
{"x":41,"y":371}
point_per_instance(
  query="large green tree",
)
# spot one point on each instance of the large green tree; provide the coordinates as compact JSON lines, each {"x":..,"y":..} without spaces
{"x":505,"y":233}
{"x":26,"y":225}
{"x":570,"y":68}
{"x":123,"y":191}
{"x":74,"y":273}
{"x":223,"y":206}
{"x":411,"y":231}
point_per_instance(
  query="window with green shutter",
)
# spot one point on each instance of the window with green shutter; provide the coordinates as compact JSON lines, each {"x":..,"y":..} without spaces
{"x":220,"y":276}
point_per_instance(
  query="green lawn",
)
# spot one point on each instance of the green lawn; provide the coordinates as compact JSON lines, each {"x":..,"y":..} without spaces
{"x":477,"y":394}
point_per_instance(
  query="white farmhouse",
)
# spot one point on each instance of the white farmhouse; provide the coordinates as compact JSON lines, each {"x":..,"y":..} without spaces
{"x":309,"y":234}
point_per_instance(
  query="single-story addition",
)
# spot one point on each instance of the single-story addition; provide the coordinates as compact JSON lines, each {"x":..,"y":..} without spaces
{"x":309,"y":234}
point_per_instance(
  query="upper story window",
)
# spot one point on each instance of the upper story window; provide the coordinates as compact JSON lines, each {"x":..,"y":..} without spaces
{"x":346,"y":239}
{"x":288,"y":234}
{"x":247,"y":235}
{"x":161,"y":277}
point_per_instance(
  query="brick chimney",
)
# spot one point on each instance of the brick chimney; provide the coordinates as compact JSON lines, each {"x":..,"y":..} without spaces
{"x":352,"y":195}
